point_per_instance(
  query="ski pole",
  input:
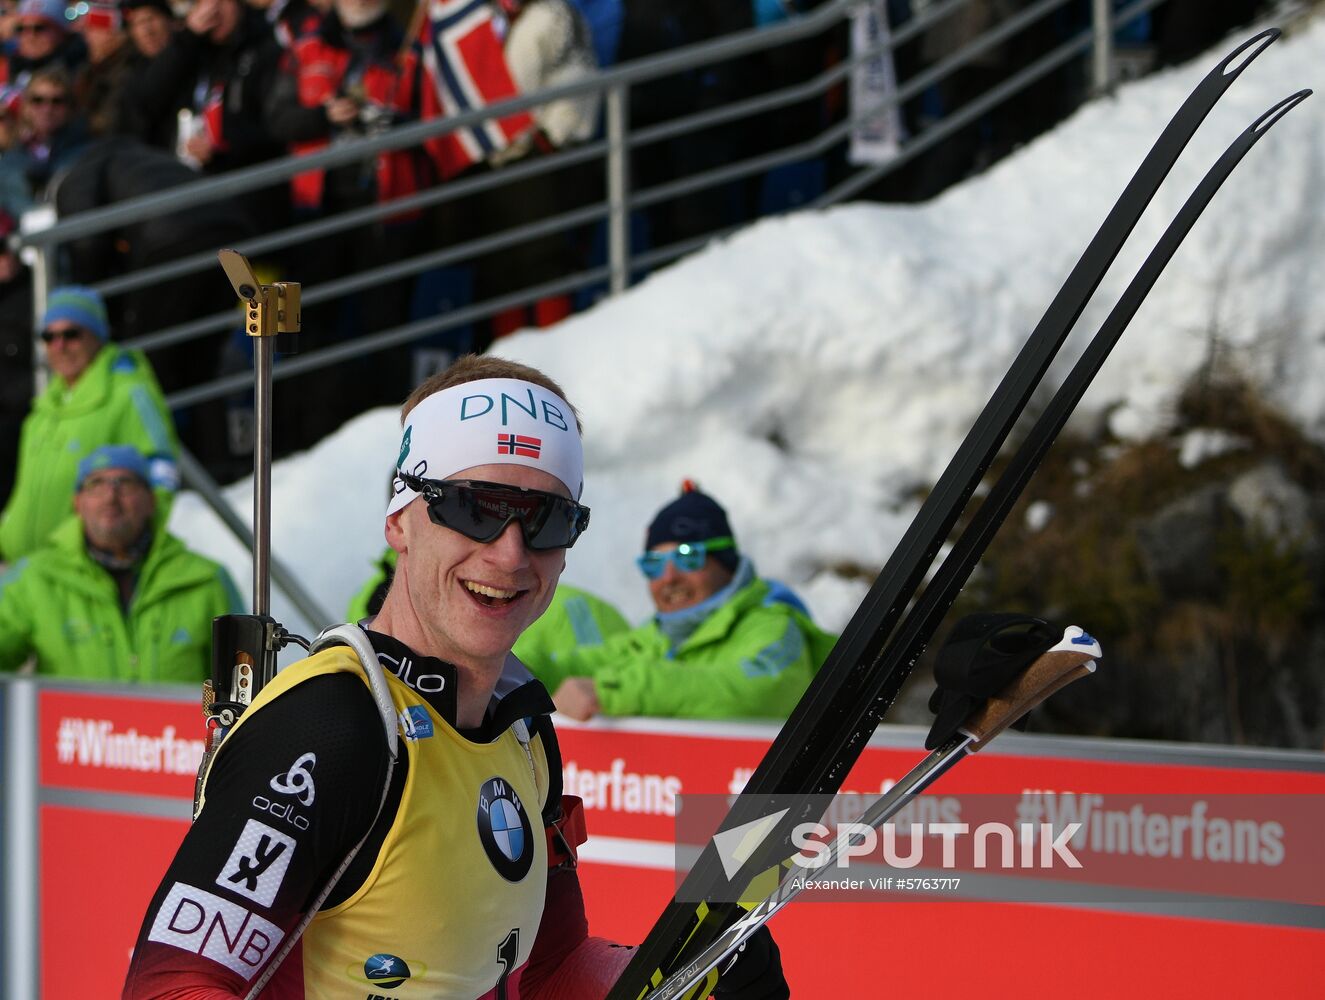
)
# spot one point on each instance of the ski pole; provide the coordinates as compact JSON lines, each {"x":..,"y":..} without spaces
{"x":1073,"y":657}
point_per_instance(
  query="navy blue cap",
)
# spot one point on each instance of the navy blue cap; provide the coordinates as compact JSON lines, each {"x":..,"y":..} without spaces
{"x":693,"y":517}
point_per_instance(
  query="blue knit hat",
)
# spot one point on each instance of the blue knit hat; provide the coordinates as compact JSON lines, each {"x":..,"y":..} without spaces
{"x":80,"y":305}
{"x":114,"y":456}
{"x":49,"y":10}
{"x":693,"y":517}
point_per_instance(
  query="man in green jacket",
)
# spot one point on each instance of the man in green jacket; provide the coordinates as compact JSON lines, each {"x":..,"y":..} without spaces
{"x":113,"y":597}
{"x":575,"y":619}
{"x":99,"y":394}
{"x":724,"y":643}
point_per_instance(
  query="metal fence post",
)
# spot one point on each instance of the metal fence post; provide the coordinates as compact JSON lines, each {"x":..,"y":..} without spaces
{"x":22,"y":944}
{"x":41,"y":262}
{"x":618,"y":188}
{"x":1101,"y":17}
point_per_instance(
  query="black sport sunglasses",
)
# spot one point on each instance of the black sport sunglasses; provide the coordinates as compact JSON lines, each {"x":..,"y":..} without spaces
{"x":481,"y":511}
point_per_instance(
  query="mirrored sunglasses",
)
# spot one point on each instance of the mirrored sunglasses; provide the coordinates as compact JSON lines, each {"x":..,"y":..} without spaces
{"x":688,"y":556}
{"x":481,"y":511}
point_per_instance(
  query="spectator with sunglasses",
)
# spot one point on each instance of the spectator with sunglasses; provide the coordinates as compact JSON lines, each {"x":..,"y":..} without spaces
{"x":114,"y":596}
{"x":724,"y":643}
{"x":98,"y":394}
{"x":450,"y":842}
{"x":50,"y":138}
{"x":41,"y":38}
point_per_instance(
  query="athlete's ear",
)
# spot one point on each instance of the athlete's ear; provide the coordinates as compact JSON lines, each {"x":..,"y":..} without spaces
{"x":395,"y":530}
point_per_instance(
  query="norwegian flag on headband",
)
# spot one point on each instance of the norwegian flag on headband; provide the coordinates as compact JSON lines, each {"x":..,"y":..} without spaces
{"x":464,"y":63}
{"x":519,"y":444}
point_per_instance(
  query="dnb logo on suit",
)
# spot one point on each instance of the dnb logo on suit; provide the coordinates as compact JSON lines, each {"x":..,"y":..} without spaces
{"x":504,"y":830}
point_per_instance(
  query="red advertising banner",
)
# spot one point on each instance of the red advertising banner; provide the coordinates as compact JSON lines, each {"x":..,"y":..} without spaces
{"x":106,"y":762}
{"x":98,"y":873}
{"x":112,"y":743}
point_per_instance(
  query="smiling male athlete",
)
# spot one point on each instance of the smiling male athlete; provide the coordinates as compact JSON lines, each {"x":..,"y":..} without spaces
{"x":460,"y":880}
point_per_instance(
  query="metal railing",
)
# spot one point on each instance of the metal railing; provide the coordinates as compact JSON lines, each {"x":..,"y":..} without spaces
{"x":613,"y":152}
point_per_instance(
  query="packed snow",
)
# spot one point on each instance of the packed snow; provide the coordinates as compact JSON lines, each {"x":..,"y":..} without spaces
{"x":816,"y":372}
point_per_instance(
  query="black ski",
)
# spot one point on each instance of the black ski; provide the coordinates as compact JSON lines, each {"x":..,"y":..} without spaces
{"x":828,"y":729}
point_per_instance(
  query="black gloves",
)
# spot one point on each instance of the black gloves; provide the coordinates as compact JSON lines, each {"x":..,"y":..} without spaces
{"x":757,"y":972}
{"x":983,"y":654}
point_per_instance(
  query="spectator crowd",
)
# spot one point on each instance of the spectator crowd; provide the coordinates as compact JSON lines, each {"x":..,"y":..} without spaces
{"x":105,"y":102}
{"x":102,"y":102}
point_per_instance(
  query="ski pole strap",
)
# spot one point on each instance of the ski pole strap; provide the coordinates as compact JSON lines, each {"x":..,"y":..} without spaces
{"x":1072,"y":657}
{"x":566,"y":833}
{"x":354,"y":637}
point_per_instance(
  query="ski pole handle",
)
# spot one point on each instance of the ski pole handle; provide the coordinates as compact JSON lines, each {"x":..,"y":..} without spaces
{"x":1074,"y":657}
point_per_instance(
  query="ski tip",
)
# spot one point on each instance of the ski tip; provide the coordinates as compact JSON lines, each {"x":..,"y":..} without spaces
{"x":1077,"y":640}
{"x":1251,"y":48}
{"x":1279,"y":110}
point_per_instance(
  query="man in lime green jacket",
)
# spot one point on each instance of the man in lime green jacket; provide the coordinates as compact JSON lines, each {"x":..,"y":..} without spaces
{"x":99,"y":394}
{"x":724,"y":643}
{"x":113,"y":597}
{"x":576,"y":619}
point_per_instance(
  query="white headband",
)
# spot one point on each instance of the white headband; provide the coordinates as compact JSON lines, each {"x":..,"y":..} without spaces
{"x":495,"y":421}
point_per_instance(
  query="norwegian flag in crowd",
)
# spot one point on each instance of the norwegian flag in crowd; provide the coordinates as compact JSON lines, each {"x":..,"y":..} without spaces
{"x":463,"y":62}
{"x":519,"y":444}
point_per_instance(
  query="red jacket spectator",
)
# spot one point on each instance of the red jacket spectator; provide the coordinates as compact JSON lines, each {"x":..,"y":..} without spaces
{"x":345,"y":77}
{"x":291,"y":20}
